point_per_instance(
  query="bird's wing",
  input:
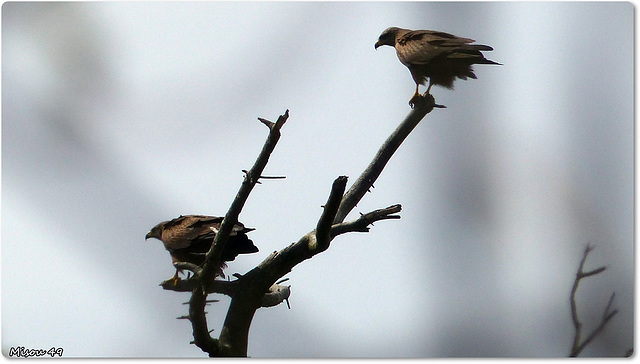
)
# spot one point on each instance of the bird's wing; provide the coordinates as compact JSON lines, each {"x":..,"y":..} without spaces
{"x":421,"y":46}
{"x":205,"y":223}
{"x":199,"y":227}
{"x":182,"y":231}
{"x":203,"y":235}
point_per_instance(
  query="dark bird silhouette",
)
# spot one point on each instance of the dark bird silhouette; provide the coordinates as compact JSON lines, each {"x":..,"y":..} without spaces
{"x":189,"y":238}
{"x":439,"y":56}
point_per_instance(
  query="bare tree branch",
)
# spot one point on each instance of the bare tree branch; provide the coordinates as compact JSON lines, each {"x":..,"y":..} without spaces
{"x":252,"y":286}
{"x":198,"y":318}
{"x":386,"y":151}
{"x":188,"y":285}
{"x":250,"y":180}
{"x":362,"y":223}
{"x":256,"y":288}
{"x":230,"y":287}
{"x":607,"y":315}
{"x":206,"y":277}
{"x":323,"y":229}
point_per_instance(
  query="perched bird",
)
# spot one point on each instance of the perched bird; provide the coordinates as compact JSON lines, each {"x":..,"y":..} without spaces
{"x":189,"y":238}
{"x":437,"y":55}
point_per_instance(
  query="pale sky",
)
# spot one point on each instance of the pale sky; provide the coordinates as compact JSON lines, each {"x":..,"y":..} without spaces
{"x":116,"y":116}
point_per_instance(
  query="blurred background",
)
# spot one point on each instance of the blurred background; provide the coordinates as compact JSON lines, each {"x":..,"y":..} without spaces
{"x":116,"y":116}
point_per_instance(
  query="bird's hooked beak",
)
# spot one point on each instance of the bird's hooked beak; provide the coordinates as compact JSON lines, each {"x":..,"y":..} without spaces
{"x":377,"y":44}
{"x":146,"y":237}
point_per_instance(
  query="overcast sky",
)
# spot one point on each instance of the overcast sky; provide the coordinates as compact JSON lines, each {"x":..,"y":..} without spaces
{"x":116,"y":116}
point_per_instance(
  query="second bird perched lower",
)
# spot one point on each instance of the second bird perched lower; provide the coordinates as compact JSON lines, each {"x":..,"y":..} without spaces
{"x":188,"y":239}
{"x":439,"y":56}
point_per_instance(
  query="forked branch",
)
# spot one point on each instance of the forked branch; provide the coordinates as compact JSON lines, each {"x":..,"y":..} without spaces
{"x":257,"y":288}
{"x":607,"y":315}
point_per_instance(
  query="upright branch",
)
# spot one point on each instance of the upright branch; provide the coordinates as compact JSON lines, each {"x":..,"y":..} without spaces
{"x":323,"y":229}
{"x":250,"y":179}
{"x":206,"y":275}
{"x":607,"y":315}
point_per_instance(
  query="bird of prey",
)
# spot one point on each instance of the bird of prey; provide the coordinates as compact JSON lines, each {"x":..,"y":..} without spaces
{"x":189,"y":238}
{"x":439,"y":56}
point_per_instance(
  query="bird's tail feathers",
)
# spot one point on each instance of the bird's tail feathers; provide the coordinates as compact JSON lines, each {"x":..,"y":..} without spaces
{"x":478,"y":47}
{"x":472,"y":55}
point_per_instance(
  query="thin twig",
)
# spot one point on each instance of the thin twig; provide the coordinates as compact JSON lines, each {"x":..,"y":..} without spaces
{"x":265,"y":177}
{"x":362,"y":223}
{"x":607,"y":315}
{"x":266,"y":122}
{"x":207,"y":301}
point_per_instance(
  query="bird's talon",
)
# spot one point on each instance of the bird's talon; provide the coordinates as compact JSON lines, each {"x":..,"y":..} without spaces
{"x":171,"y":282}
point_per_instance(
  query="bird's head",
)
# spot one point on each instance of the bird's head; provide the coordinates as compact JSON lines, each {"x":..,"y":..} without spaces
{"x":155,"y":232}
{"x":388,"y":37}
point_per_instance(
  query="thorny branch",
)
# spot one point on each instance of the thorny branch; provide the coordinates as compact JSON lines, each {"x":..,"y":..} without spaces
{"x":258,"y":287}
{"x":206,"y":276}
{"x":361,"y":224}
{"x":607,"y":315}
{"x":250,"y":180}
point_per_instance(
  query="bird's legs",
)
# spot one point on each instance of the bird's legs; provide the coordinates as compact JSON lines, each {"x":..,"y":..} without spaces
{"x":428,"y":88}
{"x":416,"y":96}
{"x":425,"y":97}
